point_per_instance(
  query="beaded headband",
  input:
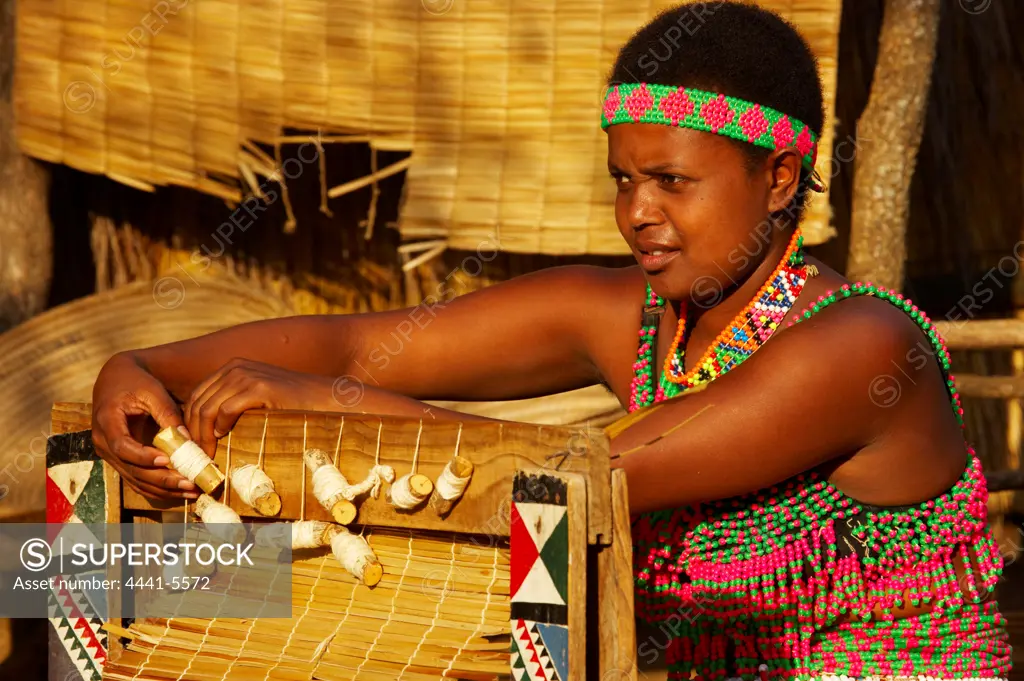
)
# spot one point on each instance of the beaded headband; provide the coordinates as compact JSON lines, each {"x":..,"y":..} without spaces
{"x":710,"y":112}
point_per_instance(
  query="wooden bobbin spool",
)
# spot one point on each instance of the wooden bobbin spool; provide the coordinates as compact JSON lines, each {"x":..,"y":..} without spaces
{"x":460,"y":467}
{"x":356,"y":556}
{"x":301,"y":534}
{"x":419,"y":486}
{"x":342,"y":510}
{"x":263,"y":497}
{"x":170,"y":440}
{"x":228,"y":523}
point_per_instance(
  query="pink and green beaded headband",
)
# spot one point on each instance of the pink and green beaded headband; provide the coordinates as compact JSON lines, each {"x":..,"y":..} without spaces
{"x":709,"y":112}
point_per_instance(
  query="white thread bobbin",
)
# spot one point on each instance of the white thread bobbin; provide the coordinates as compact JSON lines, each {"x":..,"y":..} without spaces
{"x":189,"y":459}
{"x":412,"y":489}
{"x":256,"y":489}
{"x":329,"y":486}
{"x":194,"y":568}
{"x":356,"y":556}
{"x":302,"y":534}
{"x":222,"y":521}
{"x":451,"y":485}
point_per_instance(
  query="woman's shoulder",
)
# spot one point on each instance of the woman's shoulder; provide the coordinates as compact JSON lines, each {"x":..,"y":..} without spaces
{"x":854,"y":335}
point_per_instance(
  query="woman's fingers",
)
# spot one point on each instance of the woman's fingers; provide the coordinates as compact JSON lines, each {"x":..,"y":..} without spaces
{"x":133,"y":452}
{"x":113,"y":436}
{"x":158,"y":493}
{"x":232,"y":408}
{"x":161,"y":407}
{"x":163,"y":479}
{"x":212,"y":411}
{"x":148,"y":490}
{"x":207,"y":387}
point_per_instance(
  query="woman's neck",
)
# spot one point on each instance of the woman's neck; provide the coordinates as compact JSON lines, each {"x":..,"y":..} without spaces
{"x":737,"y":294}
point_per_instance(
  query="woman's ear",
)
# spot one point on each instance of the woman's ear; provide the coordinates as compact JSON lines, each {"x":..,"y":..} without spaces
{"x":785,"y":167}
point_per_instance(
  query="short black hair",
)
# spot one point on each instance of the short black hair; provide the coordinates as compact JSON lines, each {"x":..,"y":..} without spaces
{"x":738,"y":49}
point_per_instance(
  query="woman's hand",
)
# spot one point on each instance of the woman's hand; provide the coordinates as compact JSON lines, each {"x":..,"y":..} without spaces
{"x":124,"y":395}
{"x":216,"y":403}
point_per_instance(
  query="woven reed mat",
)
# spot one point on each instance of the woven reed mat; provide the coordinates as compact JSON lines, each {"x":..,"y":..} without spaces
{"x":441,"y":610}
{"x":498,"y":100}
{"x":57,"y":356}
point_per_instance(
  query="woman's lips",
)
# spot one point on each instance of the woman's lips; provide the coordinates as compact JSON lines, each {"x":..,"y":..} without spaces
{"x":657,"y":259}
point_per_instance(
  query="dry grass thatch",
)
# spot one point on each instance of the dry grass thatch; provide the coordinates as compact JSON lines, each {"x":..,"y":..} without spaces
{"x":58,"y":354}
{"x":498,"y":101}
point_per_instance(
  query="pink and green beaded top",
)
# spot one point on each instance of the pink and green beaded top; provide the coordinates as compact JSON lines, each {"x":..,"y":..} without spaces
{"x":787,"y":582}
{"x":712,"y":112}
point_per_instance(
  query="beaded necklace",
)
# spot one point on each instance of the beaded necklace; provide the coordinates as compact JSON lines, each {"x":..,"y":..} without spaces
{"x":748,"y":331}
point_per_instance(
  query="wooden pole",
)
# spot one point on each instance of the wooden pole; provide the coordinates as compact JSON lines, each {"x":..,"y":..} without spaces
{"x":888,"y":137}
{"x":617,"y":630}
{"x":982,"y":334}
{"x":5,"y":639}
{"x":26,"y":235}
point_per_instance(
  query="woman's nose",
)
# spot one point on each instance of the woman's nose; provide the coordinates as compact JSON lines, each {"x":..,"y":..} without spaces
{"x":642,"y":206}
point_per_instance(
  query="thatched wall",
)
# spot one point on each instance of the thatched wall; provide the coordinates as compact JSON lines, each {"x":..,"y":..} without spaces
{"x":498,"y":101}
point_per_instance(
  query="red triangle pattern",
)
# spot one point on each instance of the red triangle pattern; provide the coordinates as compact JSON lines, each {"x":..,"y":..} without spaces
{"x":81,"y":625}
{"x":522,"y":551}
{"x":58,"y":508}
{"x":531,"y":650}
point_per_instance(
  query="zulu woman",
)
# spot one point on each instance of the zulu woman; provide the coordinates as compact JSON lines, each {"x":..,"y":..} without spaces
{"x":802,"y":488}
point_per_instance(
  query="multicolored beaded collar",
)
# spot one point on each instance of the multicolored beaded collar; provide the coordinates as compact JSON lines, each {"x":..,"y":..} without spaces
{"x":710,"y":112}
{"x":748,"y":331}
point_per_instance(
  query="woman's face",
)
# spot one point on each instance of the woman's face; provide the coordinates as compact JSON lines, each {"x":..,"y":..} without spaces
{"x":691,"y":211}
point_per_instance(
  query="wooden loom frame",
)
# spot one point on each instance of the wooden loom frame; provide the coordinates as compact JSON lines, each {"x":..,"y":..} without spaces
{"x":501,"y":452}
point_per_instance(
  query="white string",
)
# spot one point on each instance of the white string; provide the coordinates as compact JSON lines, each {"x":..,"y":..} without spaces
{"x":252,"y":483}
{"x":263,"y":442}
{"x":483,"y":617}
{"x":302,"y":505}
{"x":337,"y":446}
{"x":322,"y":649}
{"x":458,"y":441}
{"x":298,"y":621}
{"x":391,"y":613}
{"x":402,"y":494}
{"x":449,"y":485}
{"x":227,"y":489}
{"x":380,"y":429}
{"x":353,"y":552}
{"x":416,"y":452}
{"x":189,"y":459}
{"x":371,"y":483}
{"x":437,"y":616}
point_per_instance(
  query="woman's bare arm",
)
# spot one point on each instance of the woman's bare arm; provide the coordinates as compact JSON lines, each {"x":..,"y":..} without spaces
{"x":529,"y":336}
{"x":537,"y":334}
